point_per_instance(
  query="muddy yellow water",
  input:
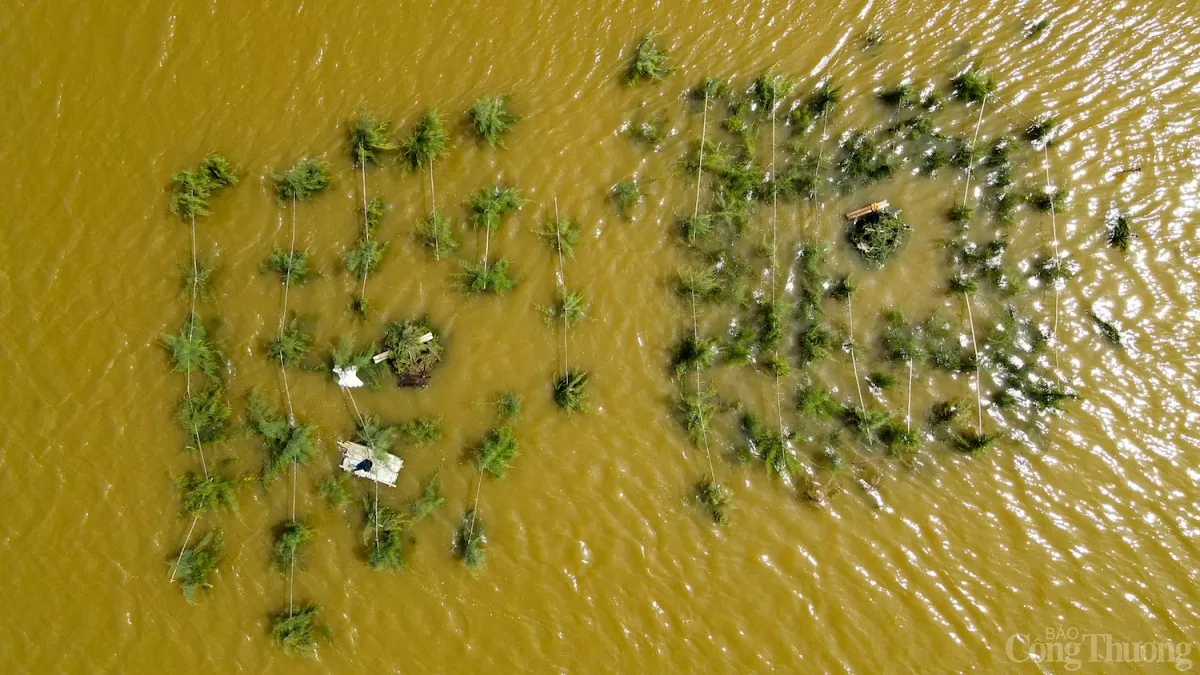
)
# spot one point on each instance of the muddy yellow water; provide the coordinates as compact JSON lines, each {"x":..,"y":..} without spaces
{"x":1080,"y":524}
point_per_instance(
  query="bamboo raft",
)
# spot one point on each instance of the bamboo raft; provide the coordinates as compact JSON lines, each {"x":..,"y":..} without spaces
{"x":875,"y":207}
{"x":382,"y":471}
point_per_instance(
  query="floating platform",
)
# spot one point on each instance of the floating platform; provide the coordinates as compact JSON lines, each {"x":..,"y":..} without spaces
{"x":384,"y":470}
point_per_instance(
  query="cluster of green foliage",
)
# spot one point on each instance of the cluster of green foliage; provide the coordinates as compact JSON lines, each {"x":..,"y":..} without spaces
{"x":715,"y":499}
{"x":195,"y":564}
{"x":864,"y":161}
{"x":426,"y":143}
{"x":333,"y":490}
{"x":363,"y":260}
{"x":561,"y":234}
{"x":384,"y":535}
{"x":900,"y":342}
{"x":569,"y":393}
{"x":816,"y":402}
{"x":470,"y":543}
{"x":508,"y":407}
{"x":489,"y":205}
{"x":193,"y":349}
{"x":768,"y":88}
{"x":413,"y":355}
{"x":371,"y":433}
{"x":204,"y":415}
{"x":627,"y":194}
{"x":1108,"y":330}
{"x":191,"y":189}
{"x":492,"y":118}
{"x":283,"y":442}
{"x":901,"y":96}
{"x":697,"y":412}
{"x":293,"y":345}
{"x":296,"y":631}
{"x":973,"y":85}
{"x":288,"y":539}
{"x":1037,"y":27}
{"x":878,"y":236}
{"x":485,"y":277}
{"x":770,"y":446}
{"x":694,"y":353}
{"x":497,"y":451}
{"x":431,"y":499}
{"x":369,"y":140}
{"x":434,"y":233}
{"x":973,"y":443}
{"x":1041,"y":131}
{"x":983,"y":262}
{"x":648,"y":131}
{"x":293,"y":268}
{"x":420,"y":431}
{"x":302,"y":181}
{"x":650,"y":61}
{"x":198,"y":277}
{"x":569,"y":308}
{"x":202,"y":495}
{"x":1120,"y":231}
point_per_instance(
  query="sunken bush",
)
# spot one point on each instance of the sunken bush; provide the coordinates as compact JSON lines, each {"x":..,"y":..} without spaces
{"x":715,"y":499}
{"x":296,"y":631}
{"x":425,"y":143}
{"x":650,"y":61}
{"x":434,"y":233}
{"x":288,"y":539}
{"x":470,"y":544}
{"x":204,"y":415}
{"x":283,"y":442}
{"x":292,"y":268}
{"x":368,"y":140}
{"x":697,"y":411}
{"x":626,"y":195}
{"x":302,"y":181}
{"x":415,"y":348}
{"x":484,"y":277}
{"x":492,"y":119}
{"x":194,"y":566}
{"x":201,"y":495}
{"x":497,"y":451}
{"x":694,"y":353}
{"x":878,"y":236}
{"x":569,"y":393}
{"x":973,"y":85}
{"x":1120,"y":231}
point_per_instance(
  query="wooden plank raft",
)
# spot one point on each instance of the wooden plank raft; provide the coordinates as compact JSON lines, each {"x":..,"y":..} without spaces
{"x":382,"y":471}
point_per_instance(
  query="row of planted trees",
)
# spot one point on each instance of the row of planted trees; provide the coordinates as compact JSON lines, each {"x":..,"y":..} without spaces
{"x":731,"y":240}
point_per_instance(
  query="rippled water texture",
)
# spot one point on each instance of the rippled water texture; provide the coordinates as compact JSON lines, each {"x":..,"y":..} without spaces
{"x":598,"y":562}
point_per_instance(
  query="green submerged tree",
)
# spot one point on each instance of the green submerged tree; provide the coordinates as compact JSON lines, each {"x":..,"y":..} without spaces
{"x":194,"y":566}
{"x":424,"y":146}
{"x":488,"y":207}
{"x":297,"y":630}
{"x":650,"y":63}
{"x":492,"y":118}
{"x":470,"y":544}
{"x":415,"y":350}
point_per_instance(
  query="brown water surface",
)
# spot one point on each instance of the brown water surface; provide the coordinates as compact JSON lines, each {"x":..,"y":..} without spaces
{"x":598,"y":562}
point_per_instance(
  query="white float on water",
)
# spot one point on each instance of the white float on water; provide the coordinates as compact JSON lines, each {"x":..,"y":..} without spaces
{"x":384,"y":470}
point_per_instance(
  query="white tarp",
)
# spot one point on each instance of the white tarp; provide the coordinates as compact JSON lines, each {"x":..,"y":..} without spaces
{"x":383,"y":470}
{"x":347,"y":377}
